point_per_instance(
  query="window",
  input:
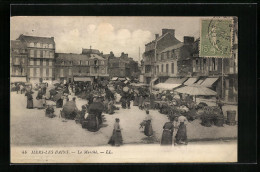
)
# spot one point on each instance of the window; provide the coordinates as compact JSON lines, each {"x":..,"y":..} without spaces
{"x":31,"y":53}
{"x":38,"y":72}
{"x":158,"y":69}
{"x":31,"y":44}
{"x":162,"y":68}
{"x":44,"y":72}
{"x":31,"y":62}
{"x":172,"y":68}
{"x":38,"y":62}
{"x":16,"y":72}
{"x":31,"y":72}
{"x":87,"y":62}
{"x":69,"y":71}
{"x":213,"y":64}
{"x":167,"y":68}
{"x":47,"y":54}
{"x":16,"y":61}
{"x":50,"y":63}
{"x":80,"y":62}
{"x":35,"y":44}
{"x":61,"y":72}
{"x":38,"y":53}
{"x":50,"y":72}
{"x":38,"y":45}
{"x":51,"y":54}
{"x":102,"y":62}
{"x":168,"y":54}
{"x":79,"y":71}
{"x":41,"y":45}
{"x":44,"y":63}
{"x":50,"y":46}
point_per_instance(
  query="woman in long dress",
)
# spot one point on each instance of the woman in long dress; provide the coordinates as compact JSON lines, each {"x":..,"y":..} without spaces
{"x":116,"y":138}
{"x":167,"y":133}
{"x":148,"y":129}
{"x":29,"y":100}
{"x":123,"y":102}
{"x":141,"y":102}
{"x":94,"y":118}
{"x":110,"y":107}
{"x":181,"y":135}
{"x":136,"y":99}
{"x":38,"y":102}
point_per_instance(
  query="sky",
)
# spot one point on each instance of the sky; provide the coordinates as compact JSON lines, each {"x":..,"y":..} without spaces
{"x":117,"y":34}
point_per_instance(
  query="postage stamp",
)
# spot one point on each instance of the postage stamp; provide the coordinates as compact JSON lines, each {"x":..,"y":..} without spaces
{"x":216,"y":37}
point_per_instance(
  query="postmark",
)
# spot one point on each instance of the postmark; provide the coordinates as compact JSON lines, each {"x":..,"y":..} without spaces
{"x":216,"y":37}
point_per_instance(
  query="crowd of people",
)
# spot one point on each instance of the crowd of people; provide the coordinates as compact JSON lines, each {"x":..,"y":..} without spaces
{"x":101,"y":98}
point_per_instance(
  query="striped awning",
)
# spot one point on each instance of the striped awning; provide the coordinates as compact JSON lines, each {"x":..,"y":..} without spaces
{"x":175,"y":80}
{"x":165,"y":86}
{"x":208,"y":82}
{"x":17,"y":79}
{"x":190,"y":81}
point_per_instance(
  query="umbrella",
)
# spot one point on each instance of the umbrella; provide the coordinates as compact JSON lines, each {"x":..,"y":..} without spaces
{"x":125,"y":89}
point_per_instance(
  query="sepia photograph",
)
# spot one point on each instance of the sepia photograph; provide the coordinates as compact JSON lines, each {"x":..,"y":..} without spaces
{"x":123,"y":89}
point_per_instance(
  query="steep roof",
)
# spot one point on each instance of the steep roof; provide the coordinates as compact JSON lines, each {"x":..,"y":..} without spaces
{"x":173,"y":47}
{"x":94,"y":56}
{"x":106,"y":56}
{"x":70,"y":57}
{"x":17,"y":44}
{"x":89,"y":51}
{"x":45,"y":40}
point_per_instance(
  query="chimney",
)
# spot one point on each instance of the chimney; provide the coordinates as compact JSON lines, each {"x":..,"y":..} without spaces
{"x":188,"y":39}
{"x":52,"y":38}
{"x":156,"y":36}
{"x":172,"y":31}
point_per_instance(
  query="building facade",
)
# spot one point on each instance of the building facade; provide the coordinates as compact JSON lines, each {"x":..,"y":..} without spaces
{"x":18,"y":61}
{"x":123,"y":66}
{"x":153,"y":49}
{"x":40,"y":64}
{"x":69,"y":66}
{"x":98,"y":64}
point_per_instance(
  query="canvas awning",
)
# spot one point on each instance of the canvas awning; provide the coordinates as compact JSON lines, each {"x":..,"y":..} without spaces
{"x":200,"y":81}
{"x":83,"y":79}
{"x":175,"y":80}
{"x":208,"y":82}
{"x":190,"y":81}
{"x":114,"y":79}
{"x":196,"y":90}
{"x":166,"y":86}
{"x":153,"y":80}
{"x":17,"y":79}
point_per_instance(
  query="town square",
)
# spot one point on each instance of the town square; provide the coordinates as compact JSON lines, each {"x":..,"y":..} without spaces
{"x":105,"y":85}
